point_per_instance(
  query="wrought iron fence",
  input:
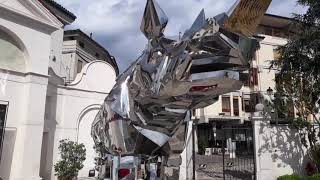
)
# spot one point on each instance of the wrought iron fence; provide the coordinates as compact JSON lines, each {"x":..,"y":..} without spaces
{"x":238,"y":153}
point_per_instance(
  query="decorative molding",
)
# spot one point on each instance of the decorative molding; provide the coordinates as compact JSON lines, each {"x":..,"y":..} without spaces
{"x":84,"y":70}
{"x":44,"y":12}
{"x":22,"y":73}
{"x":39,"y":15}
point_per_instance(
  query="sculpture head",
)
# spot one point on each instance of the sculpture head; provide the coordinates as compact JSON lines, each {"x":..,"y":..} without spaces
{"x":207,"y":59}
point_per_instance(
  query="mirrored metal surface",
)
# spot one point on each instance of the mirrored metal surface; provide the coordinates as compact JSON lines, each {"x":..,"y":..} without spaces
{"x":154,"y":96}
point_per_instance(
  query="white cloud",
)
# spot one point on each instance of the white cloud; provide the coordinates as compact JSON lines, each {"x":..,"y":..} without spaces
{"x":116,"y":23}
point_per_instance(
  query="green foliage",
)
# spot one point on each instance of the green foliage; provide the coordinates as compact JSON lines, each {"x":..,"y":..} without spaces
{"x":298,"y":80}
{"x":100,"y":152}
{"x":314,"y":177}
{"x":315,"y":154}
{"x":289,"y":177}
{"x":72,"y":157}
{"x":296,"y":177}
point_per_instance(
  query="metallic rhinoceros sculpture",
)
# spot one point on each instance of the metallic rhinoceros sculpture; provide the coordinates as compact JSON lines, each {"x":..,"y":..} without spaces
{"x":153,"y":97}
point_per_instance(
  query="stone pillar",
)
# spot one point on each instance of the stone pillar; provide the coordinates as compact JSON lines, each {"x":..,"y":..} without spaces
{"x":185,"y":156}
{"x":153,"y":171}
{"x":241,"y":114}
{"x":27,"y":148}
{"x":263,"y":160}
{"x":115,"y":167}
{"x":231,"y":105}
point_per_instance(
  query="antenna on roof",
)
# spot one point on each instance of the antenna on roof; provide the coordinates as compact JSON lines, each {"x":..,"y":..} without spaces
{"x":91,"y":35}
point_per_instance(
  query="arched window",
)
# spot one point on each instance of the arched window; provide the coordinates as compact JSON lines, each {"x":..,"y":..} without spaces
{"x":11,"y":53}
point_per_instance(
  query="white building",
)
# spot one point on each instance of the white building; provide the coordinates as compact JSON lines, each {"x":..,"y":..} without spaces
{"x":80,"y":49}
{"x":37,"y":108}
{"x":237,"y":107}
{"x":266,"y":147}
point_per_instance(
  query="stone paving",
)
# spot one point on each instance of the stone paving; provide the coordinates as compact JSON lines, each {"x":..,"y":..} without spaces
{"x":214,"y":169}
{"x":241,"y":168}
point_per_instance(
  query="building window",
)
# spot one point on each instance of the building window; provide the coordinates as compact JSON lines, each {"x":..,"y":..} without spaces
{"x":81,"y":44}
{"x":244,"y":78}
{"x":253,"y":77}
{"x":290,"y":109}
{"x":3,"y":116}
{"x":268,"y":31}
{"x":278,"y":33}
{"x":226,"y":107}
{"x":193,"y":112}
{"x":254,"y":57}
{"x":273,"y":31}
{"x":97,"y":55}
{"x":79,"y":66}
{"x":249,"y":102}
{"x":236,"y":106}
{"x":254,"y":100}
{"x":246,"y":106}
{"x":276,"y":54}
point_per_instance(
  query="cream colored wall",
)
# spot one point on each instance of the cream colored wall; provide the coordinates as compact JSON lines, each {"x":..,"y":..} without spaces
{"x":12,"y":54}
{"x":26,"y":97}
{"x":41,"y":104}
{"x":56,"y":61}
{"x":25,"y":90}
{"x":36,"y":43}
{"x":74,"y":108}
{"x":264,"y":57}
{"x":278,"y":150}
{"x":265,"y":80}
{"x":69,"y":58}
{"x":72,"y":52}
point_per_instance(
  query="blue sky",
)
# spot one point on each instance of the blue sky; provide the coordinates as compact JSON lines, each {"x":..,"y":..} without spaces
{"x":115,"y":24}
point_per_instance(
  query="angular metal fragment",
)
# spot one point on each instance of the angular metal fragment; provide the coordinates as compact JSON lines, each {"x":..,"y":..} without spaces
{"x":245,"y":15}
{"x":196,"y":26}
{"x":154,"y":20}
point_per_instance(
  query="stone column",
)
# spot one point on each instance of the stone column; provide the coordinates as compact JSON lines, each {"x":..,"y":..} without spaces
{"x":27,"y":148}
{"x":231,"y":105}
{"x":263,"y":159}
{"x":241,"y":114}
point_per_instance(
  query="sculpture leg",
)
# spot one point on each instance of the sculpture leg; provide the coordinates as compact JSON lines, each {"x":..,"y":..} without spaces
{"x":115,"y":167}
{"x":162,"y":168}
{"x":153,"y":171}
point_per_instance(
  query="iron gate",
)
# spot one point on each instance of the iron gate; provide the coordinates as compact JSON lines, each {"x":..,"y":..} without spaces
{"x":238,"y":153}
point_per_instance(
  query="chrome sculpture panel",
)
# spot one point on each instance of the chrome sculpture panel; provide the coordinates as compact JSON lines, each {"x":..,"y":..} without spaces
{"x":153,"y":97}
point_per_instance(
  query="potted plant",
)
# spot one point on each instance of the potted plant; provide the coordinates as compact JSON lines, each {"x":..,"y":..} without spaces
{"x":72,"y":156}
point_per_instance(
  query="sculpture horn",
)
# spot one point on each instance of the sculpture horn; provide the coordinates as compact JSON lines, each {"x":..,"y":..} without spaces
{"x":196,"y":26}
{"x":154,"y":20}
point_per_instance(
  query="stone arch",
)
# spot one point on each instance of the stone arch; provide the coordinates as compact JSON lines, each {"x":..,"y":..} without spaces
{"x":85,"y":119}
{"x":14,"y":55}
{"x":85,"y":111}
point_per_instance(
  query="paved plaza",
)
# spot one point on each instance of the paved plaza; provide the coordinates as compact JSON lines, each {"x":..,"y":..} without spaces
{"x":239,"y":168}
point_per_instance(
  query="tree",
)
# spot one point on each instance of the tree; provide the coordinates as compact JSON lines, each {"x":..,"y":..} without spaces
{"x":298,"y":80}
{"x":101,"y":154}
{"x":72,"y":157}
